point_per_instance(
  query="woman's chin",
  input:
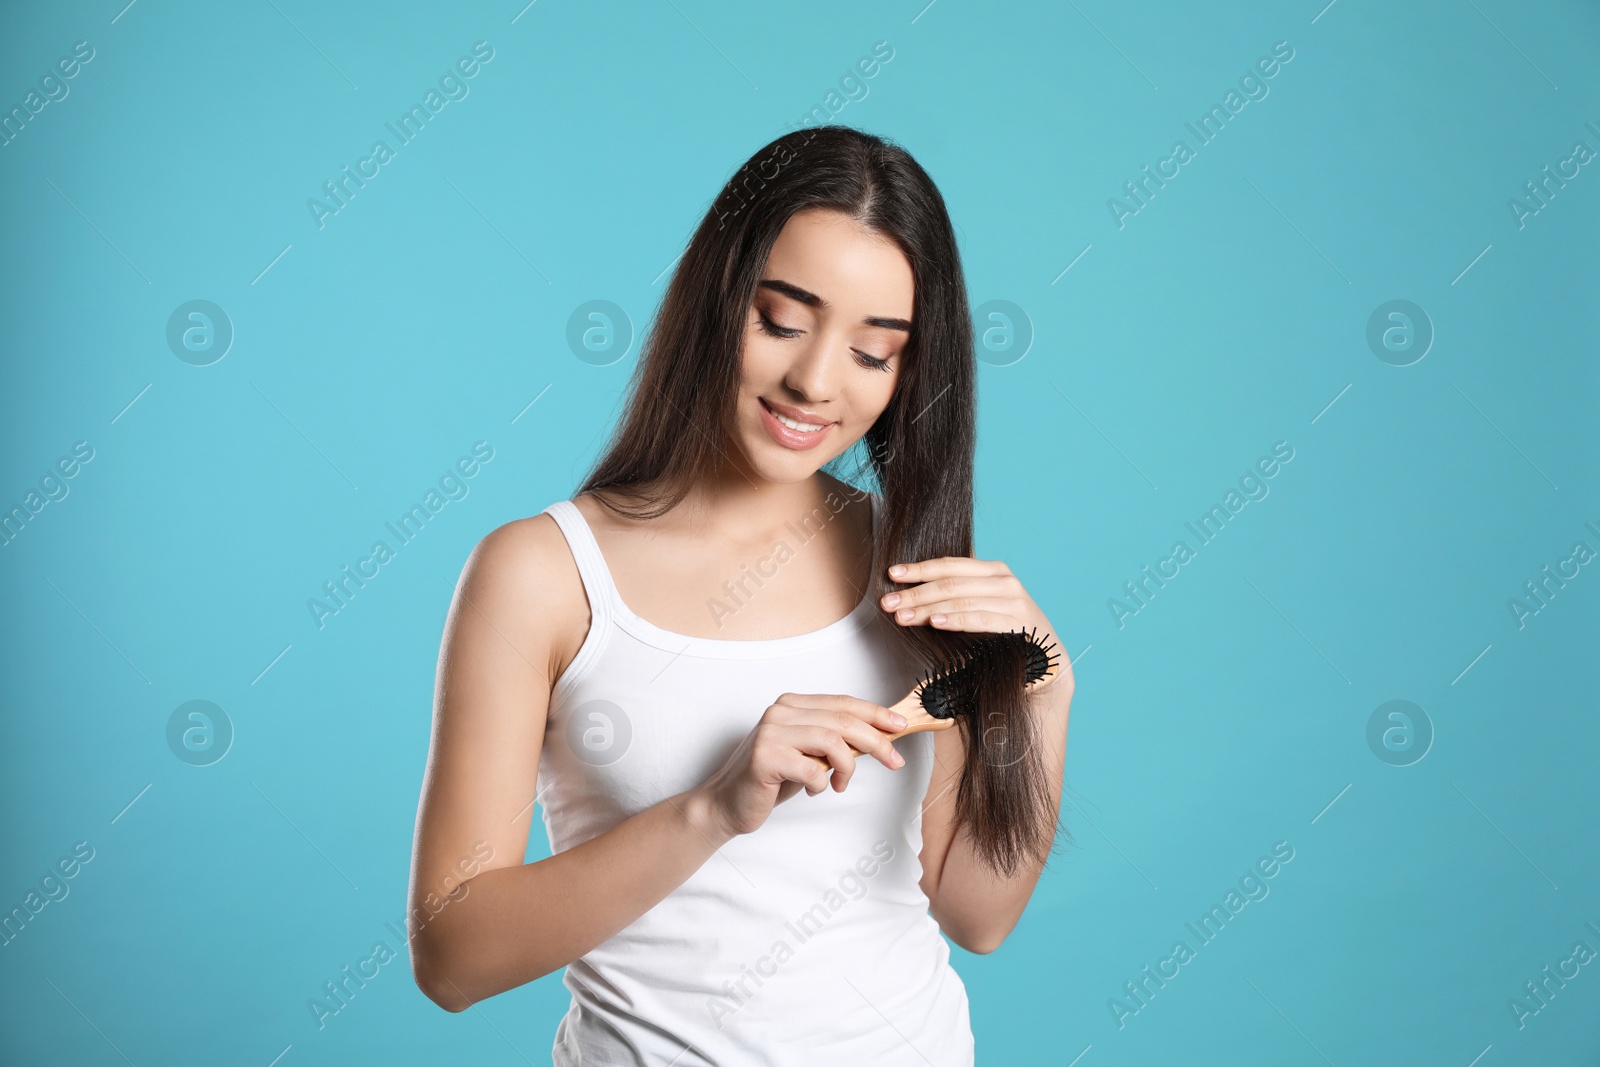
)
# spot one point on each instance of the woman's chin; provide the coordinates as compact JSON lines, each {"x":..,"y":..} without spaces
{"x":773,"y":463}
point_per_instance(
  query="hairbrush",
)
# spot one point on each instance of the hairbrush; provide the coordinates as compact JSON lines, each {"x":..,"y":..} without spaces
{"x":950,"y":690}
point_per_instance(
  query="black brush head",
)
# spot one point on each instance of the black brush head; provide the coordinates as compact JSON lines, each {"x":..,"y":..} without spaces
{"x":951,"y":689}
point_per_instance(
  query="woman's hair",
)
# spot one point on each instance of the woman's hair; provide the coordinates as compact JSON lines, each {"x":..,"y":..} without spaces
{"x":919,"y":452}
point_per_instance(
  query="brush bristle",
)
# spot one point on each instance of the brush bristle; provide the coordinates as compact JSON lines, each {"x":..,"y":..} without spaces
{"x":952,"y":688}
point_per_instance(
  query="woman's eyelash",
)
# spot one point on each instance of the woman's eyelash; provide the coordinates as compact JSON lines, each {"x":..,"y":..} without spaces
{"x":772,"y":328}
{"x":767,"y":326}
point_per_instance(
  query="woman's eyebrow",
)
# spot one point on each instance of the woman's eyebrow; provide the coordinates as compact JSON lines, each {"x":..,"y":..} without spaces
{"x":794,"y":292}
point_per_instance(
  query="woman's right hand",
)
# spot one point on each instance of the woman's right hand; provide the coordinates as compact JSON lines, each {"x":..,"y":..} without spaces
{"x":802,"y":741}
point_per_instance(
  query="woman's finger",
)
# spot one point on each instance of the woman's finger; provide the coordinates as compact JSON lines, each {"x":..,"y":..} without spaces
{"x":862,"y":736}
{"x":928,"y":569}
{"x":999,"y":586}
{"x":1000,"y":608}
{"x":798,"y":704}
{"x":830,"y":745}
{"x":811,"y":772}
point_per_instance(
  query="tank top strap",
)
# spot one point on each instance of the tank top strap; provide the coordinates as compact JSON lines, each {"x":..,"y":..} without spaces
{"x":605,"y":602}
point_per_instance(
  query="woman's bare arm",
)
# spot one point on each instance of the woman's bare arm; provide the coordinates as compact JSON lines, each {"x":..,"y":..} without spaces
{"x":481,"y":921}
{"x":974,"y":906}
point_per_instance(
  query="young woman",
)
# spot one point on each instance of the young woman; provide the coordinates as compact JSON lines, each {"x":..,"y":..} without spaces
{"x":710,"y":626}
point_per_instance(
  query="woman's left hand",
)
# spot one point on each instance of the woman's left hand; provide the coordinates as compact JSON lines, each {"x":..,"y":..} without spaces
{"x":975,"y":595}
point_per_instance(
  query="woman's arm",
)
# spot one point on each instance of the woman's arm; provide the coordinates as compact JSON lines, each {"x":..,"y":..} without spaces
{"x":975,"y":907}
{"x":510,"y":922}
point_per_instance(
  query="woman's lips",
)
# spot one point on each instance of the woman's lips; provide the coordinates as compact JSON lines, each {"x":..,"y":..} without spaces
{"x":792,"y":439}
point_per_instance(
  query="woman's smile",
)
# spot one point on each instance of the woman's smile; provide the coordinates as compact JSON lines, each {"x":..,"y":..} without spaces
{"x":789,"y":429}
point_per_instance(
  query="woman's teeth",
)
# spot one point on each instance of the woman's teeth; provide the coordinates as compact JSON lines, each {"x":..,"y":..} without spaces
{"x":803,"y":427}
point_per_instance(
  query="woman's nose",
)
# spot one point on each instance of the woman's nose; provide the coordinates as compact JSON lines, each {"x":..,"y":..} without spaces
{"x":812,"y":374}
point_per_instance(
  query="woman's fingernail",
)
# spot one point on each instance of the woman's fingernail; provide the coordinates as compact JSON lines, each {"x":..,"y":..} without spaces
{"x":891,"y":600}
{"x":897,"y":570}
{"x":897,"y":759}
{"x":898,"y":721}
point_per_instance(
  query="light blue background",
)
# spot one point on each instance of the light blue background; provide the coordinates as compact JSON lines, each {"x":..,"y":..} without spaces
{"x":1230,"y":313}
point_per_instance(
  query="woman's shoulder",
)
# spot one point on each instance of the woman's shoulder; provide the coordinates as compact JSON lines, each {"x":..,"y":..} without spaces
{"x":522,"y":551}
{"x":522,"y":574}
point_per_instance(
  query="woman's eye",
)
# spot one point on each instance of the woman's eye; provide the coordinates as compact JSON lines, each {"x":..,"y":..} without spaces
{"x":872,"y":362}
{"x":772,"y":328}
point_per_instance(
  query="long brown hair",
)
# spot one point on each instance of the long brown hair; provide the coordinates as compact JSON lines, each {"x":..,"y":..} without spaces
{"x":919,"y":453}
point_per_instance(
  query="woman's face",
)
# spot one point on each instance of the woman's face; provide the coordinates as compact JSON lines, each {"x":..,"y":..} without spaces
{"x":822,"y":343}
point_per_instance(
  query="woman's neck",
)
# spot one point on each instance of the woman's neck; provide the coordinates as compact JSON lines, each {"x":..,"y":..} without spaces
{"x":741,"y":511}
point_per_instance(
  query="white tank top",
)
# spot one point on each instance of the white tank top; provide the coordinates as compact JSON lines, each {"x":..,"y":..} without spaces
{"x":807,"y":942}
